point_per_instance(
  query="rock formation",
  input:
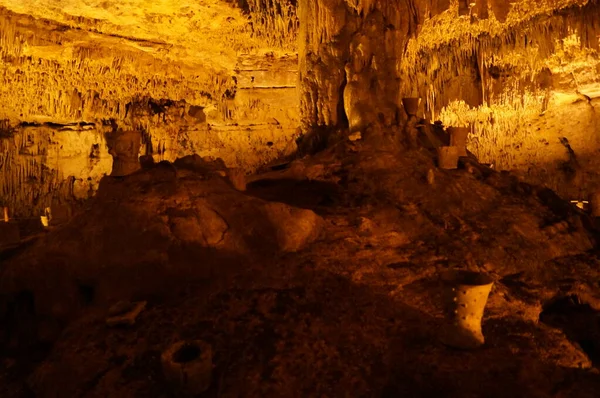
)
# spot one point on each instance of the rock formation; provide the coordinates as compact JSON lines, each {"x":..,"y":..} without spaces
{"x":494,"y":64}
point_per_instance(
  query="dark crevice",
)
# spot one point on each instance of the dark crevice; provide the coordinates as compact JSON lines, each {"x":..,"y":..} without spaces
{"x":578,"y":320}
{"x":343,"y":121}
{"x":87,"y":293}
{"x":187,"y":353}
{"x":242,"y":4}
{"x":314,"y":195}
{"x":57,"y":125}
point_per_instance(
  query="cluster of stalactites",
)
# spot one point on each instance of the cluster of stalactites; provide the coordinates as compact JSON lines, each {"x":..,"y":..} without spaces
{"x":75,"y":91}
{"x":529,"y":43}
{"x":26,"y":184}
{"x":93,"y":81}
{"x":276,"y":21}
{"x":497,"y":131}
{"x":11,"y":43}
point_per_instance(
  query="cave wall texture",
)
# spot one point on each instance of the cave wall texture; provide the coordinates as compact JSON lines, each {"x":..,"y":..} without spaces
{"x":239,"y":80}
{"x":521,"y":74}
{"x":441,"y":51}
{"x":203,"y":77}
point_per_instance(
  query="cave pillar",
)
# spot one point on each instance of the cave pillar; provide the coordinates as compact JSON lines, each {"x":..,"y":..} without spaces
{"x":348,"y":52}
{"x":322,"y":54}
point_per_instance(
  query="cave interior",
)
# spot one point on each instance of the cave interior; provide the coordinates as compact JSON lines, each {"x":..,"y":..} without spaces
{"x":299,"y":198}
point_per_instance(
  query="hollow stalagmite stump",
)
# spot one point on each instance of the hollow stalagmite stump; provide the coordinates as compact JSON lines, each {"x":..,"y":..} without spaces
{"x":448,"y":157}
{"x":187,"y":365}
{"x":237,"y":177}
{"x":411,"y":105}
{"x":458,"y":138}
{"x":465,"y":295}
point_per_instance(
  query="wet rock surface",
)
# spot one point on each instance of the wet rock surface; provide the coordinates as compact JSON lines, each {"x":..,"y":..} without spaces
{"x":343,"y":303}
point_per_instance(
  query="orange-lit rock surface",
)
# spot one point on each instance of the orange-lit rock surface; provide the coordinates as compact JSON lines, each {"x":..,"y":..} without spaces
{"x":237,"y":65}
{"x":512,"y":74}
{"x":163,"y":137}
{"x":194,"y":77}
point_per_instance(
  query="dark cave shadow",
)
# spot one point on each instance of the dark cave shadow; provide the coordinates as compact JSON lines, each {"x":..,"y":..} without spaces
{"x":578,"y":320}
{"x":191,"y":270}
{"x":398,"y":356}
{"x":391,"y":347}
{"x":10,"y":252}
{"x":92,"y":282}
{"x":430,"y":369}
{"x":313,"y":195}
{"x":553,"y":175}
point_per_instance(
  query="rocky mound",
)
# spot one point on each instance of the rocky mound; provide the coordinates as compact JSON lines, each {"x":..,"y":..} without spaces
{"x":150,"y":232}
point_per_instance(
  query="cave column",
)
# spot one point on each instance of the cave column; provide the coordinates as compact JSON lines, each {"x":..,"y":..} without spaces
{"x":348,"y":56}
{"x":322,"y":54}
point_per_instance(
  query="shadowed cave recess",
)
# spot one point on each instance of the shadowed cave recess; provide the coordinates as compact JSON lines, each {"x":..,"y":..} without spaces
{"x":299,"y":198}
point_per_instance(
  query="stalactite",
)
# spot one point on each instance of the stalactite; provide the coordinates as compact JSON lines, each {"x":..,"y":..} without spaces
{"x":522,"y":47}
{"x":30,"y":82}
{"x":30,"y":175}
{"x":538,"y":39}
{"x":276,"y":21}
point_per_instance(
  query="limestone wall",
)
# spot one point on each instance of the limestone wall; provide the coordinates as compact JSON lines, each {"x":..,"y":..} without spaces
{"x":187,"y":80}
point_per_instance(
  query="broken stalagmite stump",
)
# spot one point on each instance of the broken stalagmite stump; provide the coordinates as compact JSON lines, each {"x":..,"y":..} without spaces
{"x":187,"y":365}
{"x":458,"y":138}
{"x":448,"y":157}
{"x":465,"y":295}
{"x":45,"y":219}
{"x":237,"y":178}
{"x":411,"y":105}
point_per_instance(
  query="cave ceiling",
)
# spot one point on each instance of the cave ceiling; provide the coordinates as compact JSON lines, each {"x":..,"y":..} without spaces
{"x":191,"y":50}
{"x":168,"y":49}
{"x":210,"y":32}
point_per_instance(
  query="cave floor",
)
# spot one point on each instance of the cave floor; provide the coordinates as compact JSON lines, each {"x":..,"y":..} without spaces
{"x":356,"y":313}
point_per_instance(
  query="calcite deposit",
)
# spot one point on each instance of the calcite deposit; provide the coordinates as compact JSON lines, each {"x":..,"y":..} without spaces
{"x":494,"y":65}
